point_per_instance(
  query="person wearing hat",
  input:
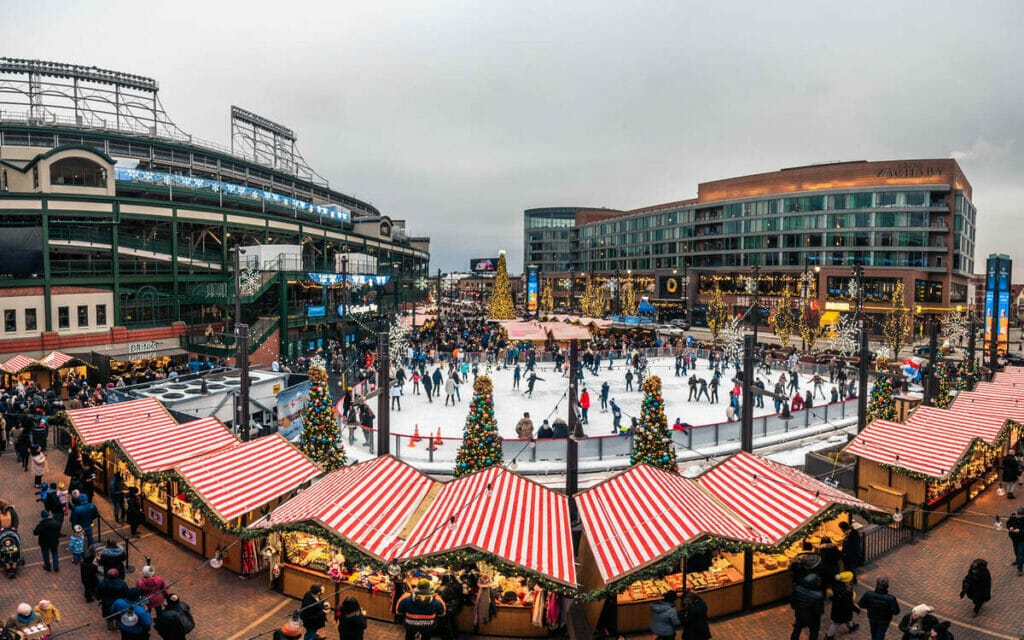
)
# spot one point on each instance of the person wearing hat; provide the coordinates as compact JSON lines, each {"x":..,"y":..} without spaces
{"x":84,"y":514}
{"x":420,"y":610}
{"x":843,"y":606}
{"x":175,"y":622}
{"x":312,"y":612}
{"x":977,"y":585}
{"x":290,"y":630}
{"x":48,"y":534}
{"x":881,"y":606}
{"x":808,"y":603}
{"x":918,"y":624}
{"x":152,"y":587}
{"x":941,"y":631}
{"x":132,"y":618}
{"x":664,"y":619}
{"x":48,"y":614}
{"x":111,"y":589}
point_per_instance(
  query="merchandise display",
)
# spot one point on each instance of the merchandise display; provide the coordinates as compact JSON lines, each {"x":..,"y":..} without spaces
{"x":979,"y":466}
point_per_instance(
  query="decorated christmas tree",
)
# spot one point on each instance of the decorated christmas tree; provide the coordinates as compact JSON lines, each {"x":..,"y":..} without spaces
{"x":881,"y":405}
{"x":320,"y":437}
{"x":481,"y":444}
{"x":652,"y":443}
{"x":547,"y":299}
{"x":501,"y":297}
{"x":946,"y":374}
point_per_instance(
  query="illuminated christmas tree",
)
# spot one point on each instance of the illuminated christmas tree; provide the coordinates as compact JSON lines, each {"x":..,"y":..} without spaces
{"x":946,"y":373}
{"x":881,"y":405}
{"x":547,"y":299}
{"x":652,"y":443}
{"x":896,"y":326}
{"x":321,"y":440}
{"x":717,"y":314}
{"x":782,"y":320}
{"x":501,"y":298}
{"x":481,"y":444}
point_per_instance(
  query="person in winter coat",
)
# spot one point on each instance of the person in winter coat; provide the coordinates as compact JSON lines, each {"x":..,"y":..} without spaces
{"x":89,"y":572}
{"x":843,"y":606}
{"x":8,"y":516}
{"x":420,"y":610}
{"x":808,"y":603}
{"x":428,"y":388}
{"x":853,"y":548}
{"x":112,"y":557}
{"x":977,"y":584}
{"x":48,"y":534}
{"x":524,"y":428}
{"x":312,"y":612}
{"x":452,"y":596}
{"x":48,"y":614}
{"x":941,"y":631}
{"x":664,"y":619}
{"x":584,"y":405}
{"x":1011,"y":473}
{"x":37,"y":464}
{"x":153,"y":588}
{"x":351,"y":619}
{"x":27,"y":617}
{"x":449,"y":391}
{"x":132,"y":619}
{"x":366,"y":417}
{"x":109,"y":590}
{"x":881,"y":607}
{"x":84,"y":514}
{"x":133,"y":511}
{"x":918,"y":624}
{"x":831,"y":558}
{"x":175,"y":622}
{"x":695,"y":618}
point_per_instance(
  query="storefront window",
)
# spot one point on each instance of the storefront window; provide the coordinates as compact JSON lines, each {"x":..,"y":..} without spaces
{"x":63,"y":318}
{"x":83,"y":315}
{"x":10,"y":320}
{"x":101,"y":315}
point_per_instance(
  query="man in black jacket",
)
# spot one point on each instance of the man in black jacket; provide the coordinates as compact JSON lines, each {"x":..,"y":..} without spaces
{"x":48,"y":532}
{"x":881,"y":607}
{"x":312,"y":613}
{"x":175,"y":621}
{"x":808,"y":602}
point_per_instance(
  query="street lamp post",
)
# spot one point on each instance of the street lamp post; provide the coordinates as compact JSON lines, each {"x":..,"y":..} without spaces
{"x":344,"y":304}
{"x":862,"y":374}
{"x":241,"y":353}
{"x":618,"y":292}
{"x":755,"y":307}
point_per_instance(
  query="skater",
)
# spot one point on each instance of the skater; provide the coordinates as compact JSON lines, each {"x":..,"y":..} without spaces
{"x":977,"y":585}
{"x":715,"y":382}
{"x":366,"y":417}
{"x":517,"y":374}
{"x":449,"y":391}
{"x":584,"y":405}
{"x":818,"y":386}
{"x":759,"y":397}
{"x":428,"y":387}
{"x":703,"y":392}
{"x":605,"y":390}
{"x":415,"y":377}
{"x":692,"y":383}
{"x":395,"y":392}
{"x":530,"y":381}
{"x":629,"y":379}
{"x":881,"y":607}
{"x":616,"y":417}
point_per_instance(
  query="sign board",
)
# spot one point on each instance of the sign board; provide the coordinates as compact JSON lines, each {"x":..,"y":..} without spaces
{"x":483,"y":265}
{"x":997,"y":301}
{"x":290,"y":405}
{"x":671,"y":287}
{"x":143,"y":347}
{"x":532,"y":287}
{"x":316,"y":311}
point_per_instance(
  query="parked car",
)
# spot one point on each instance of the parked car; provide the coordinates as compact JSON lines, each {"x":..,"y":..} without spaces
{"x":925,"y":350}
{"x":678,"y":322}
{"x":1014,"y":359}
{"x":670,"y":330}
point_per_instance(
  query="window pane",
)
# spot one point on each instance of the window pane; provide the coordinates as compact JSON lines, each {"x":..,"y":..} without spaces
{"x":101,"y":315}
{"x":83,"y":315}
{"x":63,"y":318}
{"x":30,"y":319}
{"x":10,"y":320}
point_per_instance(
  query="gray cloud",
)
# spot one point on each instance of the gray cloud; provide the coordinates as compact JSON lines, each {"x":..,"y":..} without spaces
{"x":458,"y":115}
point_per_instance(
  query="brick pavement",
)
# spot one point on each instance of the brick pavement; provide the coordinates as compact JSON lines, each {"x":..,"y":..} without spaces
{"x":225,"y":607}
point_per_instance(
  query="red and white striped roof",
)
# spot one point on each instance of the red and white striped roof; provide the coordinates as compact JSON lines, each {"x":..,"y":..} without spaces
{"x":96,"y":425}
{"x":247,"y":475}
{"x":931,"y":451}
{"x":55,"y":360}
{"x":1010,"y":388}
{"x":367,"y":504}
{"x":18,"y":363}
{"x":515,"y":520}
{"x":161,"y":448}
{"x":985,"y":401}
{"x":644,"y":513}
{"x":977,"y":423}
{"x":774,"y":499}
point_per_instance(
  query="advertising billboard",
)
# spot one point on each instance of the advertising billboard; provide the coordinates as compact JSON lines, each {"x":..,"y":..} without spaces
{"x":671,"y":288}
{"x":290,"y":404}
{"x":532,"y":287}
{"x":483,"y":265}
{"x":997,"y":301}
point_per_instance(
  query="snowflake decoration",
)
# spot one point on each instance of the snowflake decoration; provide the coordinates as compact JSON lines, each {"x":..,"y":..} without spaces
{"x":565,"y":282}
{"x":421,"y":283}
{"x":883,"y":352}
{"x":954,"y":328}
{"x":249,"y":281}
{"x":808,"y":282}
{"x":398,"y":341}
{"x":845,"y":340}
{"x":317,"y":361}
{"x":854,"y":288}
{"x":751,"y":286}
{"x":732,"y":336}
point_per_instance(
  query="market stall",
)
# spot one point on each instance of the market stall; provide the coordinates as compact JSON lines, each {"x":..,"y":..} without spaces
{"x":227,"y":490}
{"x":729,"y":534}
{"x":145,"y":458}
{"x":935,"y":462}
{"x":344,"y":528}
{"x":513,"y":535}
{"x":93,"y":427}
{"x":21,"y":369}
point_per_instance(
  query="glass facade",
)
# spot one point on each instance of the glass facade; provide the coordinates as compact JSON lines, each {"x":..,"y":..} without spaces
{"x":549,"y":238}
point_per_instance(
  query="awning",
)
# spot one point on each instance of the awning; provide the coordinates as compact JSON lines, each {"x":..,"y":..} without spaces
{"x":56,"y":360}
{"x":152,"y":450}
{"x":230,"y":484}
{"x":97,"y":425}
{"x":140,"y":350}
{"x":533,"y":331}
{"x":973,"y":421}
{"x":515,"y":520}
{"x":924,"y":450}
{"x":985,"y":401}
{"x":774,"y":499}
{"x":640,"y":515}
{"x":19,"y":363}
{"x":368,"y":504}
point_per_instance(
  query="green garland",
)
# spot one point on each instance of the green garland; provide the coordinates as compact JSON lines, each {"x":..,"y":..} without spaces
{"x":350,"y":551}
{"x":472,"y":556}
{"x":1008,"y":427}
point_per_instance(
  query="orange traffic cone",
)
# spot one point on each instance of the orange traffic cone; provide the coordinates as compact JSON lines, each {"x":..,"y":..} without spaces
{"x":437,"y":440}
{"x":416,"y":434}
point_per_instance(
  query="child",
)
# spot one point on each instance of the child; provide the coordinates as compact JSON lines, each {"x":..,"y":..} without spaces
{"x":48,"y":613}
{"x":10,"y":554}
{"x":62,"y":495}
{"x":76,"y":543}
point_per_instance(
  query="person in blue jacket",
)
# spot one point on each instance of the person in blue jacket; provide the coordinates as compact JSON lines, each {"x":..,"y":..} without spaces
{"x":132,"y":618}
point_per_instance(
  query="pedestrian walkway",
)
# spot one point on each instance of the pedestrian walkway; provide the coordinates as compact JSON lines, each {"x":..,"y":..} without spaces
{"x":927,"y":571}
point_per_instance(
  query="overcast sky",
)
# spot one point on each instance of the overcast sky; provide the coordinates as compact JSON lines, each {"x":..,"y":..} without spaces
{"x":457,"y":116}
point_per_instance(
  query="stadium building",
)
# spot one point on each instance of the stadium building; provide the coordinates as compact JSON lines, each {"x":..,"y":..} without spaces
{"x":803,"y":228}
{"x":122,"y":235}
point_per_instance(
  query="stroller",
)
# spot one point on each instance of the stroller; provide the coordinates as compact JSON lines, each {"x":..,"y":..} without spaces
{"x":10,"y":551}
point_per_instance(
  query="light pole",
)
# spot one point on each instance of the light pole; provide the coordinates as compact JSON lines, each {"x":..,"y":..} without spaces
{"x":241,"y":353}
{"x":344,"y":306}
{"x":752,"y":289}
{"x":862,"y":377}
{"x":618,"y":292}
{"x":806,"y":279}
